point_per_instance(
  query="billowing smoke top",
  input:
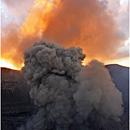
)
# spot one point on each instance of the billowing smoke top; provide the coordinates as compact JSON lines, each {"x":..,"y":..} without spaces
{"x":46,"y":58}
{"x":69,"y":95}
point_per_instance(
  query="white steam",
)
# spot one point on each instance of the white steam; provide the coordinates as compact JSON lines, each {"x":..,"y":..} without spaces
{"x":67,"y":92}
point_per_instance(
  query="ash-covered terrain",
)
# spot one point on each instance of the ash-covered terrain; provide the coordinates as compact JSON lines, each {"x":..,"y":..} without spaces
{"x":16,"y":103}
{"x":120,"y":77}
{"x":17,"y":107}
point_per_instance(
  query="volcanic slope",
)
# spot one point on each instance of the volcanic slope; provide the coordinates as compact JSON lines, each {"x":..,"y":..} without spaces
{"x":16,"y":103}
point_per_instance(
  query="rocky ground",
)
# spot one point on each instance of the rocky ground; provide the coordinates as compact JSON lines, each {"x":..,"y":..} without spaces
{"x":16,"y":103}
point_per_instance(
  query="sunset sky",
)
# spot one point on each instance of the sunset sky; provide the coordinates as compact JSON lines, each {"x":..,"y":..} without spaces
{"x":102,"y":35}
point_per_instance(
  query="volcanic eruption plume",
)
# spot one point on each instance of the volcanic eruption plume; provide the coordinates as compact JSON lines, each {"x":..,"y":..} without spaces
{"x":69,"y":95}
{"x":84,"y":23}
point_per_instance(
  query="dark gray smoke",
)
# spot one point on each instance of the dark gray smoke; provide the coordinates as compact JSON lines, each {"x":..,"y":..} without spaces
{"x":68,"y":94}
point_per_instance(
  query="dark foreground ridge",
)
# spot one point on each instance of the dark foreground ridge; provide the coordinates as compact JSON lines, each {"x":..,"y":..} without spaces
{"x":16,"y":103}
{"x":17,"y":106}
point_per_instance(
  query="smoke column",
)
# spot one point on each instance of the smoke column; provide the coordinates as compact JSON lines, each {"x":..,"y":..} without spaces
{"x":69,"y":95}
{"x":83,"y":23}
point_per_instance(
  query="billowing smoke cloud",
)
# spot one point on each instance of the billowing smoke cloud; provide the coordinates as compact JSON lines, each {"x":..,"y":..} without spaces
{"x":83,"y":23}
{"x":68,"y":94}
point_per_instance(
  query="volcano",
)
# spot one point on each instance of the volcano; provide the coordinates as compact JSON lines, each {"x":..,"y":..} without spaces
{"x":17,"y":107}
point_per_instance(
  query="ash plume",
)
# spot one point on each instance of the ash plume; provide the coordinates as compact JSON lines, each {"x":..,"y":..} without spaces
{"x":68,"y":94}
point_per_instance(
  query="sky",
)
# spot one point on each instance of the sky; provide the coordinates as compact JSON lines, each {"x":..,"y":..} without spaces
{"x":14,"y":13}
